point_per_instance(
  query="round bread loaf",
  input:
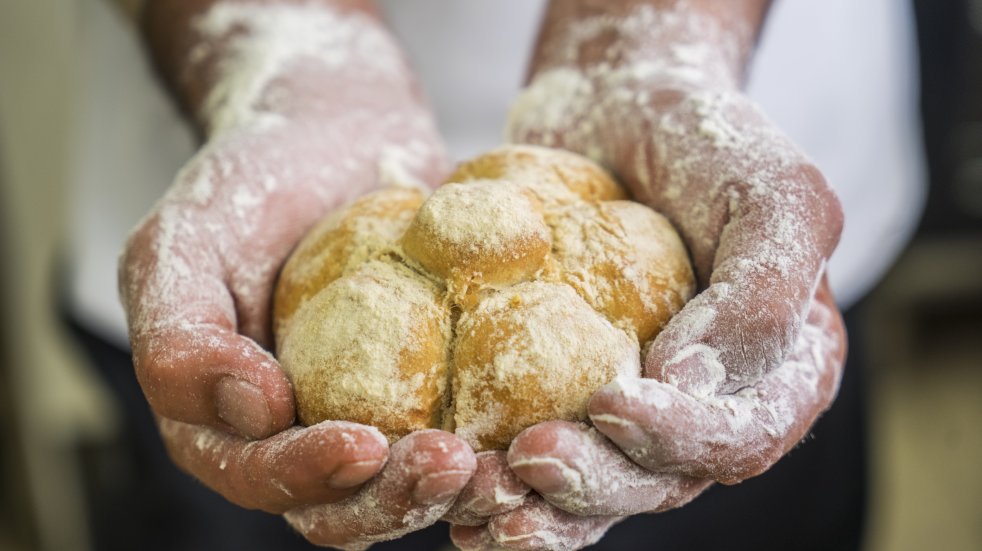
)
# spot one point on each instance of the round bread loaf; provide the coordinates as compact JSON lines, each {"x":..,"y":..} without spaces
{"x":504,"y":299}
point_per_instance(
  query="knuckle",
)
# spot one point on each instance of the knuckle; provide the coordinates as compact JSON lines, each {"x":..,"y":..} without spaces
{"x":769,"y":456}
{"x":151,"y":370}
{"x":149,"y":376}
{"x":773,"y":454}
{"x":825,"y":205}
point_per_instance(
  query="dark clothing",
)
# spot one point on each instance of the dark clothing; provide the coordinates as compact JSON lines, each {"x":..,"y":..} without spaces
{"x":813,"y":499}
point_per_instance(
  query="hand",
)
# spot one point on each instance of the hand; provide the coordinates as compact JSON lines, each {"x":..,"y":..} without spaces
{"x":315,"y":474}
{"x":740,"y":374}
{"x":196,"y":279}
{"x":568,"y":463}
{"x":757,"y":217}
{"x":588,"y":484}
{"x":279,"y":113}
{"x":197,"y":275}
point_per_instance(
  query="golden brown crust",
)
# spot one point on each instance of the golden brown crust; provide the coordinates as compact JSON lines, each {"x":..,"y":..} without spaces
{"x":350,"y":236}
{"x":371,"y":347}
{"x":486,"y":233}
{"x":555,"y":176}
{"x":530,"y":354}
{"x":557,"y":283}
{"x":626,"y":261}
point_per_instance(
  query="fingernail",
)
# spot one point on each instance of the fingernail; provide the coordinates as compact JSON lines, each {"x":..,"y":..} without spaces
{"x":502,"y":501}
{"x":242,"y":405}
{"x":439,"y":487}
{"x":352,"y":474}
{"x":614,"y":426}
{"x":696,"y":370}
{"x":548,"y":475}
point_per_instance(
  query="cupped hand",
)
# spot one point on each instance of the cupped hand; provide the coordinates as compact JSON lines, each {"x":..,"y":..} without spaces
{"x":197,"y":275}
{"x":196,"y":279}
{"x":742,"y":371}
{"x":740,"y":374}
{"x":587,"y":483}
{"x":760,"y":223}
{"x":304,"y":106}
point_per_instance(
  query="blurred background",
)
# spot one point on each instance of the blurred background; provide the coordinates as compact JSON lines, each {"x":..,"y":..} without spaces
{"x":922,"y":323}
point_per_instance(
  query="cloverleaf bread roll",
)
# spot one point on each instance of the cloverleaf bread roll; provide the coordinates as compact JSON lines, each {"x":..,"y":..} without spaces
{"x":505,"y":298}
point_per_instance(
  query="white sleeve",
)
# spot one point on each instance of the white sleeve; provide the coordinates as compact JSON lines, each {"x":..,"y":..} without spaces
{"x":840,"y":78}
{"x":128,"y":143}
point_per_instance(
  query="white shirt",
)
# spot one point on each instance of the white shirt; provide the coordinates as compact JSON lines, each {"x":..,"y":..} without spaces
{"x":837,"y":75}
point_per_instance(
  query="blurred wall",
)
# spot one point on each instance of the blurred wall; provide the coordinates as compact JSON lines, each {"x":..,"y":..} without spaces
{"x":925,"y":319}
{"x":57,"y":401}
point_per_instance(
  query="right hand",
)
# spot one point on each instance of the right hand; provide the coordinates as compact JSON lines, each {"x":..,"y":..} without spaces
{"x":196,"y":279}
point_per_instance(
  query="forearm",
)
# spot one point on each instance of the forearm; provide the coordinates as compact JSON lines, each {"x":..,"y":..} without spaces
{"x":705,"y":40}
{"x":235,"y":63}
{"x":651,"y":89}
{"x":609,"y":77}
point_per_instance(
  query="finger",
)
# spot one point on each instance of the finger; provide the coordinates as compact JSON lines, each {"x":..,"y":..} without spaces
{"x":190,"y":360}
{"x":730,"y":437}
{"x":759,"y":220}
{"x":425,"y":472}
{"x":748,"y":319}
{"x":473,"y":538}
{"x":300,"y":466}
{"x":494,"y":489}
{"x":539,"y":525}
{"x":579,"y":470}
{"x":209,"y":375}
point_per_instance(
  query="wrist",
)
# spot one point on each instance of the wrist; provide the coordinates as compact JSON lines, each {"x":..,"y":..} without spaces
{"x":593,"y":64}
{"x":241,"y":64}
{"x":700,"y":43}
{"x":607,"y":73}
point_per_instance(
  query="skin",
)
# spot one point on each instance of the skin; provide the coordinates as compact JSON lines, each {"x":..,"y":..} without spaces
{"x":683,"y":427}
{"x":578,"y":509}
{"x":225,"y":407}
{"x":197,"y":275}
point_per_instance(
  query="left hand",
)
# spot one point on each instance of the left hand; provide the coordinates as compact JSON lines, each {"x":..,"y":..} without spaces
{"x":588,"y":484}
{"x":735,"y":380}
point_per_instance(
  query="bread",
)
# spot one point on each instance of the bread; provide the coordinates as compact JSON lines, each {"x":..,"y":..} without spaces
{"x":505,"y":298}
